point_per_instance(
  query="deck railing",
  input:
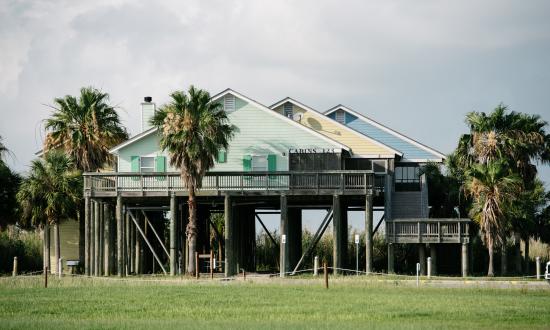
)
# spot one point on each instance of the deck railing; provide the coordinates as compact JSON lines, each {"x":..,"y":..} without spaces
{"x":314,"y":182}
{"x":427,"y":230}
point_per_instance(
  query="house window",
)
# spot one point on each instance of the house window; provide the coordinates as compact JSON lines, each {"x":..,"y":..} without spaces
{"x":341,"y":116}
{"x":259,"y":163}
{"x":147,"y":164}
{"x":379,"y":166}
{"x":407,"y":178}
{"x":229,"y":103}
{"x":288,"y":110}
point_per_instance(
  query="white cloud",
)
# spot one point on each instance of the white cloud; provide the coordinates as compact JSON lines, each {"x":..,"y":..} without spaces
{"x":416,"y":66}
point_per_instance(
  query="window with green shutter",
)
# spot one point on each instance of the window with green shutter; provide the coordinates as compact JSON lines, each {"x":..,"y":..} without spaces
{"x":134,"y":163}
{"x":247,"y":163}
{"x":222,"y":156}
{"x":134,"y":166}
{"x":160,"y":164}
{"x":271,"y":163}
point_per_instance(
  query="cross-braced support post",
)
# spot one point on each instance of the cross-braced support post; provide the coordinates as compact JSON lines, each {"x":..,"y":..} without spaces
{"x":173,"y":214}
{"x":120,"y":239}
{"x":368,"y":233}
{"x":284,"y":261}
{"x":97,"y":228}
{"x":230,"y":266}
{"x":87,"y":235}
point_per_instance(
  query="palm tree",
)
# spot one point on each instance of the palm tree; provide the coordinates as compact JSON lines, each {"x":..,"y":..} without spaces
{"x":49,"y":194}
{"x":492,"y":187}
{"x":193,"y":129}
{"x":85,"y":128}
{"x":517,"y":138}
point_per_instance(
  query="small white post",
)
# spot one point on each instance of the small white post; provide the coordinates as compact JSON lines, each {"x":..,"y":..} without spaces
{"x":14,"y":273}
{"x":60,"y":268}
{"x":357,"y":254}
{"x":538,"y":268}
{"x":429,"y":267}
{"x":316,"y":266}
{"x":417,"y":274}
{"x":283,"y":261}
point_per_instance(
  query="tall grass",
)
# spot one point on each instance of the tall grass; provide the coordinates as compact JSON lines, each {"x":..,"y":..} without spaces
{"x":25,"y":245}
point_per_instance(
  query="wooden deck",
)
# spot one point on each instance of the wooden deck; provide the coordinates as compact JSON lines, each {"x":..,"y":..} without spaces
{"x":234,"y":183}
{"x":429,"y":230}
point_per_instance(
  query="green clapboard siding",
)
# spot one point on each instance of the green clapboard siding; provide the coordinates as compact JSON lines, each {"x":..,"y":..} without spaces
{"x":160,"y":164}
{"x":271,"y":163}
{"x":260,"y":132}
{"x":222,"y":156}
{"x":247,"y":163}
{"x":135,"y":163}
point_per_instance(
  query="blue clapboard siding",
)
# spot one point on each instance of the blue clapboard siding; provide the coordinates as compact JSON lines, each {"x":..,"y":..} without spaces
{"x":409,"y":150}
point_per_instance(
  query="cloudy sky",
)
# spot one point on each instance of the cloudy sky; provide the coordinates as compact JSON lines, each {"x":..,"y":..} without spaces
{"x":416,"y":66}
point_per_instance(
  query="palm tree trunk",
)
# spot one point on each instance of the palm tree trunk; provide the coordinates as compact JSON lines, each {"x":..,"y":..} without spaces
{"x":517,"y":247}
{"x":57,"y":246}
{"x":490,"y":271}
{"x":220,"y":252}
{"x":192,"y":231}
{"x":503,"y":258}
{"x":46,"y":234}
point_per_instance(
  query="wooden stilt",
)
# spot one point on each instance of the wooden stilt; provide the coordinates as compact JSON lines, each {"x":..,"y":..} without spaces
{"x":229,"y":249}
{"x":92,"y":237}
{"x":284,"y":261}
{"x":173,"y":212}
{"x":87,"y":235}
{"x":120,"y":242}
{"x":422,"y":258}
{"x":107,"y":240}
{"x":96,"y":237}
{"x":125,"y":231}
{"x":101,"y":239}
{"x":138,"y":264}
{"x":337,"y":234}
{"x":368,"y":233}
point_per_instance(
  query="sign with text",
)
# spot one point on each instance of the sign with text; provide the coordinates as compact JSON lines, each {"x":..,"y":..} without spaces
{"x":356,"y":238}
{"x":283,"y":239}
{"x":312,"y":151}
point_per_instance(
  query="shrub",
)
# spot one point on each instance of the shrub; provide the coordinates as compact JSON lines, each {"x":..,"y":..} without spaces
{"x":25,"y":245}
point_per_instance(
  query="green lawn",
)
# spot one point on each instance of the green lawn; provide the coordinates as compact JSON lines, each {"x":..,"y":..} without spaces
{"x":85,"y":303}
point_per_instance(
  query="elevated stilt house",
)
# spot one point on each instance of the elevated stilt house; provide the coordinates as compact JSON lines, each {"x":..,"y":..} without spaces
{"x":284,"y":158}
